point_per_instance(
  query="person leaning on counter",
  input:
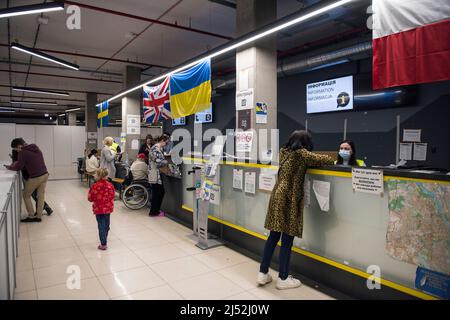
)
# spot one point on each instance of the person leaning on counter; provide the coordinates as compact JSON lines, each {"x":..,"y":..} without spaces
{"x":347,"y":155}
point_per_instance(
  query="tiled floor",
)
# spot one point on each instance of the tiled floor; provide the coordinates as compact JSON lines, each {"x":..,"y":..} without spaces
{"x":148,"y":258}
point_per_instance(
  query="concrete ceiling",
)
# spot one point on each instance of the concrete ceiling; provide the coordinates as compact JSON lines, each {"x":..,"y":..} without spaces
{"x":109,"y":29}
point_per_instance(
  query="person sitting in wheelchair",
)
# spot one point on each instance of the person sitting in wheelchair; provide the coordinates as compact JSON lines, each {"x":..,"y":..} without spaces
{"x":139,"y":168}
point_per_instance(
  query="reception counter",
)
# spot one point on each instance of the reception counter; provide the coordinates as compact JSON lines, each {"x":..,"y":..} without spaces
{"x":340,"y":247}
{"x":10,"y":208}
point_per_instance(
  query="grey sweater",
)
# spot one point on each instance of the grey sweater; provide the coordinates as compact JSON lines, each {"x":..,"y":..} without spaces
{"x":107,"y":161}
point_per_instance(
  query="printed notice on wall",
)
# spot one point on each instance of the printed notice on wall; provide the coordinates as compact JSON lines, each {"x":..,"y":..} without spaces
{"x":368,"y":181}
{"x":322,"y":193}
{"x":261,"y":113}
{"x":266,"y":181}
{"x":250,"y":182}
{"x":135,"y":144}
{"x":244,"y":99}
{"x":92,"y":135}
{"x":237,"y":178}
{"x":133,"y":124}
{"x":244,"y":141}
{"x":406,"y":151}
{"x":420,"y":151}
{"x":215,"y":195}
{"x":307,"y":193}
{"x":411,"y":135}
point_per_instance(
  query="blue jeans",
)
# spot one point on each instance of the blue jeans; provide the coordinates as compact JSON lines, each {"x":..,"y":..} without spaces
{"x":285,"y":253}
{"x":103,"y":227}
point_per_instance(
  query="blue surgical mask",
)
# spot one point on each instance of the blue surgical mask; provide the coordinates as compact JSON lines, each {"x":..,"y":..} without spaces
{"x":345,"y":154}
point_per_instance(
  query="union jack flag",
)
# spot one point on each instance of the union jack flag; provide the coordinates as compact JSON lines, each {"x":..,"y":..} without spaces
{"x":157,"y":102}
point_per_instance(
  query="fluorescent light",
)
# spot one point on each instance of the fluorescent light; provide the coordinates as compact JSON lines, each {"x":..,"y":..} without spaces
{"x":32,"y":90}
{"x":76,"y":109}
{"x":31,"y":9}
{"x":46,"y":115}
{"x":5,"y":111}
{"x":335,"y":63}
{"x":62,"y":115}
{"x":44,"y":56}
{"x":11,"y":108}
{"x":301,"y":18}
{"x":35,"y":102}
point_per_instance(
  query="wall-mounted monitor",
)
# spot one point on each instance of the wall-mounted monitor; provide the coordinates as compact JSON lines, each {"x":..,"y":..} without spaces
{"x":330,"y":95}
{"x":205,"y":116}
{"x":179,"y":121}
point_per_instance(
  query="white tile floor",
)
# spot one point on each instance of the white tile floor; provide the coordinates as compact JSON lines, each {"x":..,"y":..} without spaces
{"x":147,"y":258}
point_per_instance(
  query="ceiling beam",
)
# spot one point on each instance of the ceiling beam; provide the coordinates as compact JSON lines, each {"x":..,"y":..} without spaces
{"x":132,"y":16}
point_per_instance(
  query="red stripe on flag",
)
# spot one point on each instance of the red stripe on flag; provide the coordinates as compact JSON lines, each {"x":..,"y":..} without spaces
{"x":416,"y":56}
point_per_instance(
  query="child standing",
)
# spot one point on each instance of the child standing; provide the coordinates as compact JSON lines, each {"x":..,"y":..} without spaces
{"x":101,"y":195}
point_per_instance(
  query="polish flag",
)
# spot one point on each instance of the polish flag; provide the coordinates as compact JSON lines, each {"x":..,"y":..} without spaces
{"x":411,"y":42}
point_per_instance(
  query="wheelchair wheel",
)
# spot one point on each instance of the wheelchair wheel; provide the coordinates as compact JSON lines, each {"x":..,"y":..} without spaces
{"x":135,"y":196}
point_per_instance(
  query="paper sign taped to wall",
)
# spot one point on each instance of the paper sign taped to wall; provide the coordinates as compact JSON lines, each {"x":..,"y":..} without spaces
{"x":307,"y":193}
{"x":411,"y":135}
{"x":135,"y":144}
{"x":237,"y":178}
{"x":322,"y":193}
{"x":250,"y":182}
{"x":368,"y":181}
{"x":420,"y":151}
{"x":406,"y":151}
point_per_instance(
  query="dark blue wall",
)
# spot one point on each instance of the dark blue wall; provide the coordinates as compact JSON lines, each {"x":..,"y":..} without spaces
{"x":374,"y":131}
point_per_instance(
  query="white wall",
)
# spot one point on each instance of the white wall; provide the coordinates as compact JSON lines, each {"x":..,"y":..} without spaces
{"x":60,"y":145}
{"x":7,"y":133}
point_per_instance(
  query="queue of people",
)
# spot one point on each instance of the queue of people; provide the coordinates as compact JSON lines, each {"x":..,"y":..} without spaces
{"x":284,"y":217}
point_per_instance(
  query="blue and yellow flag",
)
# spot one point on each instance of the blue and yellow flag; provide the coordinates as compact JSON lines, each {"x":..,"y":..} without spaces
{"x":102,"y":115}
{"x":190,"y":90}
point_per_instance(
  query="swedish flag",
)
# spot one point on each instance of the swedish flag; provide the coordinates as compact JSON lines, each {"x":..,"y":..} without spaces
{"x":102,"y":115}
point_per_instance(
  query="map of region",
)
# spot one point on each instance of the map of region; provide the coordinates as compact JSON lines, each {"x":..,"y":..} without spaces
{"x":419,"y":225}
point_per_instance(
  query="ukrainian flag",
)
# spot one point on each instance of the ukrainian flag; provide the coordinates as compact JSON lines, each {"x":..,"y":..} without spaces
{"x":190,"y":90}
{"x":102,"y":115}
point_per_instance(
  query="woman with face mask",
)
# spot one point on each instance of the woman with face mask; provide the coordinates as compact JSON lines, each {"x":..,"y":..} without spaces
{"x":347,"y":155}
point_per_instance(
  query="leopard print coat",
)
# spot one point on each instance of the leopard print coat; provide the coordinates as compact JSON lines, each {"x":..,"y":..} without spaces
{"x":285,"y":211}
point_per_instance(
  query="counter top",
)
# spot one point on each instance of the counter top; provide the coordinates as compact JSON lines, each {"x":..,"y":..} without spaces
{"x":389,"y":172}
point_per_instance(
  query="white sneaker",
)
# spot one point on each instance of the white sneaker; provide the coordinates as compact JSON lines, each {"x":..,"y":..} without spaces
{"x":263,"y":278}
{"x":289,"y":283}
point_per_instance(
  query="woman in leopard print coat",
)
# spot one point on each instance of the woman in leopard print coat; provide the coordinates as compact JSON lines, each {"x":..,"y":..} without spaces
{"x":285,"y":212}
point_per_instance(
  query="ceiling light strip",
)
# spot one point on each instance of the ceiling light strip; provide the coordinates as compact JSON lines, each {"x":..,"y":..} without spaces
{"x":31,"y":9}
{"x":32,"y":90}
{"x":239,"y":43}
{"x":44,"y":56}
{"x":35,"y":102}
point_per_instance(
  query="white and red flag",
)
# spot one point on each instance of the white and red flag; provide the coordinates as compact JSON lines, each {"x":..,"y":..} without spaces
{"x":411,"y":42}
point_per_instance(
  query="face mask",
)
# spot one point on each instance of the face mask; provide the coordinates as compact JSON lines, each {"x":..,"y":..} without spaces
{"x":345,"y":154}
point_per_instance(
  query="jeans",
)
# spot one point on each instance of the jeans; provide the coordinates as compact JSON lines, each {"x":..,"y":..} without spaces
{"x":285,"y":253}
{"x":157,"y":198}
{"x":103,"y":227}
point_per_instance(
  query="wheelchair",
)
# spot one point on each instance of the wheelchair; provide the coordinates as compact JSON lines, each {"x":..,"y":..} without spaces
{"x":135,"y":194}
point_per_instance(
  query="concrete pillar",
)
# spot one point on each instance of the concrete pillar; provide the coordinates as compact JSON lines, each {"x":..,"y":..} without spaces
{"x":72,"y":118}
{"x":256,"y":67}
{"x":60,"y":120}
{"x":131,"y":105}
{"x":90,"y":116}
